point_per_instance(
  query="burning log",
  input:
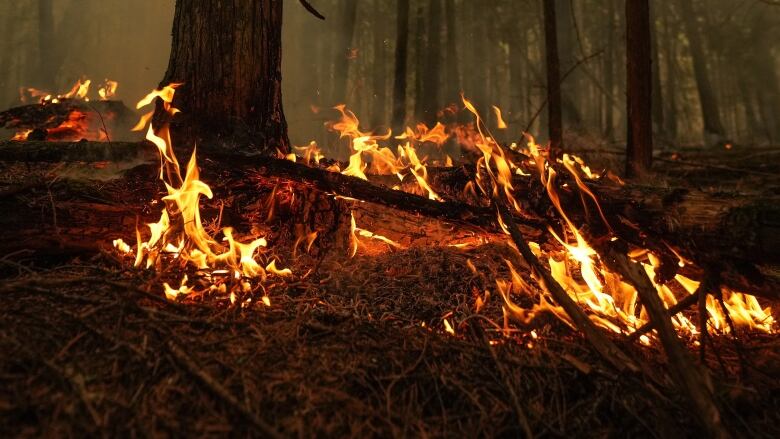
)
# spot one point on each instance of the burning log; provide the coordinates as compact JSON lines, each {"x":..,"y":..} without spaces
{"x":69,"y":120}
{"x":651,"y":216}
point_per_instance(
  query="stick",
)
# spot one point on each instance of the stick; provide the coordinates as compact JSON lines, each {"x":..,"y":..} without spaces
{"x":600,"y":342}
{"x":695,"y":382}
{"x":220,"y":391}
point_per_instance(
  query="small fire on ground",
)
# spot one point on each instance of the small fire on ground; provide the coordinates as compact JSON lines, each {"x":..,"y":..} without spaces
{"x":70,"y":115}
{"x":237,"y":269}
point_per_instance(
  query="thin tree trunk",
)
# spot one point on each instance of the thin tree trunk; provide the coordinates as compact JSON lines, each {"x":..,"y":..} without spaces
{"x":658,"y":106}
{"x":344,"y":55}
{"x":567,"y":55}
{"x":431,"y":80}
{"x":419,"y":70}
{"x":639,"y":152}
{"x":379,"y":72}
{"x":609,"y":72}
{"x":401,"y":55}
{"x":714,"y":134}
{"x":670,"y":47}
{"x":227,"y":55}
{"x":46,"y":69}
{"x":453,"y":86}
{"x":554,"y":120}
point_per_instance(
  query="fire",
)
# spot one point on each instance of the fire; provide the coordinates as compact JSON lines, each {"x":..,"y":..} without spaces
{"x":229,"y":267}
{"x":79,"y":91}
{"x":226,"y":266}
{"x":367,"y":155}
{"x":77,"y":124}
{"x":611,"y":302}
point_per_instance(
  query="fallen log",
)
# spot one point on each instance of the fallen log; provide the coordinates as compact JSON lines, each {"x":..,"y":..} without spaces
{"x":737,"y":236}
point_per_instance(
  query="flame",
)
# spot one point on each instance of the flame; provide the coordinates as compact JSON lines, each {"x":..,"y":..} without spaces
{"x":611,"y":302}
{"x":108,"y":90}
{"x":179,"y":234}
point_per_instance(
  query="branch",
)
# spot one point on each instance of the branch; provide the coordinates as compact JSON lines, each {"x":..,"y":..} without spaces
{"x":311,"y":9}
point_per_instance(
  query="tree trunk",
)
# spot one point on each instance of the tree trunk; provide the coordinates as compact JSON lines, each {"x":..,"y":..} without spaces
{"x":419,"y":68}
{"x":228,"y":57}
{"x":401,"y":55}
{"x":431,"y":80}
{"x":46,"y":71}
{"x":554,"y":120}
{"x":670,"y":47}
{"x":639,"y":152}
{"x":343,"y":50}
{"x":658,"y":106}
{"x":453,"y":86}
{"x":714,"y":134}
{"x":567,"y":45}
{"x":609,"y":72}
{"x":379,"y":106}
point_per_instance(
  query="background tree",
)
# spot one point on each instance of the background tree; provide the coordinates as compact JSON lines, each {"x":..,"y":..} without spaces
{"x":401,"y":56}
{"x":554,"y":116}
{"x":639,"y":151}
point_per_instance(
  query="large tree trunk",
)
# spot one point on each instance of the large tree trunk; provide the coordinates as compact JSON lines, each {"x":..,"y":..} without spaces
{"x":228,"y":57}
{"x":639,"y":152}
{"x":401,"y":55}
{"x":554,"y":120}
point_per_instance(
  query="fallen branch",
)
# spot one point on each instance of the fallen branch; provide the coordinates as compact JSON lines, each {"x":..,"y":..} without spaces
{"x":692,"y":380}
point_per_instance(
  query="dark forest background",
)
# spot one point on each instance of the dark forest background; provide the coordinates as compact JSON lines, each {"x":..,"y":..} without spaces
{"x":716,"y":62}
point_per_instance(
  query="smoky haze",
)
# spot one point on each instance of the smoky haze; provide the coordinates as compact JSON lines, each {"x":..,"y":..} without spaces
{"x":493,"y":51}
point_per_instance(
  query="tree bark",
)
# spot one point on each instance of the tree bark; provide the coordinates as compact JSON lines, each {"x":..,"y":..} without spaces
{"x":639,"y":152}
{"x":228,"y":57}
{"x":554,"y":118}
{"x":401,"y":55}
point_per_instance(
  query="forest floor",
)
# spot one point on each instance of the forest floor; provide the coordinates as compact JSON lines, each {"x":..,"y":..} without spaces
{"x":348,"y":346}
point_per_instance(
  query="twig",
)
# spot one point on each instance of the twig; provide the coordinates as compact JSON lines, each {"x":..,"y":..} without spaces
{"x":220,"y":391}
{"x":565,"y":75}
{"x":600,"y":342}
{"x":678,"y":307}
